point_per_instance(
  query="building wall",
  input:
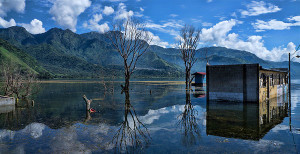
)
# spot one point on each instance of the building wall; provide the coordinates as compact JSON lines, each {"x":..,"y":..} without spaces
{"x":275,"y":86}
{"x":252,"y":87}
{"x":233,"y":82}
{"x":199,"y":78}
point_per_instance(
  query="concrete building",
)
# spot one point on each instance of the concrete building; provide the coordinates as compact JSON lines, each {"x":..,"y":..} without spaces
{"x":245,"y":82}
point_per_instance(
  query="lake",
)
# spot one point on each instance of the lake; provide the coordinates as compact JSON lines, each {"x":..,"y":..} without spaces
{"x":154,"y":117}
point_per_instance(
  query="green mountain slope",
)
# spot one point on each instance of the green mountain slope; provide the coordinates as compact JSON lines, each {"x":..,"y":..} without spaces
{"x":11,"y":54}
{"x":67,"y":54}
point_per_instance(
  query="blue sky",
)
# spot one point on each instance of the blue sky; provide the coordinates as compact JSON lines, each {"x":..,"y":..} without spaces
{"x":270,"y":29}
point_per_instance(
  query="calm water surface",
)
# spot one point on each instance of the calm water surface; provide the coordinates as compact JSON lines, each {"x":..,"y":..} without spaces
{"x":154,"y":117}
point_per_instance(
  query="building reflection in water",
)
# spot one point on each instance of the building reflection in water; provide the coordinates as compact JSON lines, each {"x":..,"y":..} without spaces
{"x":199,"y":92}
{"x":132,"y":134}
{"x":16,"y":117}
{"x":188,"y":122}
{"x":245,"y":120}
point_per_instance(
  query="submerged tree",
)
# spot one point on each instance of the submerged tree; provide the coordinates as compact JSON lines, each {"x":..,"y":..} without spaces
{"x":131,"y":41}
{"x":188,"y":44}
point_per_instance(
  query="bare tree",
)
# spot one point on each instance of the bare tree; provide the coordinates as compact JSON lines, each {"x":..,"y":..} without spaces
{"x":17,"y":82}
{"x":188,"y":45}
{"x":131,"y":41}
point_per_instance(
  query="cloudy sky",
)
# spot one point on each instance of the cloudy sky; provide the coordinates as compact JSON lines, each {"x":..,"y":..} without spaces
{"x":270,"y":29}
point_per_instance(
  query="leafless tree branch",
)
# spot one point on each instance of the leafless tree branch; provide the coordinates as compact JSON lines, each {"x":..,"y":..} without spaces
{"x":131,"y":41}
{"x":187,"y":47}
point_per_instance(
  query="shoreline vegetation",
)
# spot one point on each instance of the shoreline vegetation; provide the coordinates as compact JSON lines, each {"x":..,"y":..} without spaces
{"x":115,"y":81}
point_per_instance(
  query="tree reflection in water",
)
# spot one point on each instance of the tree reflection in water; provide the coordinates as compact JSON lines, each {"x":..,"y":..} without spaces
{"x":132,"y":134}
{"x":188,"y":122}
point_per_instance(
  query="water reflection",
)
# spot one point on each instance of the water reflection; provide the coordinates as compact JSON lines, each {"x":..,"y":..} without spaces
{"x":12,"y":117}
{"x":245,"y":120}
{"x":188,"y":122}
{"x":175,"y":120}
{"x":199,"y":92}
{"x":132,"y":134}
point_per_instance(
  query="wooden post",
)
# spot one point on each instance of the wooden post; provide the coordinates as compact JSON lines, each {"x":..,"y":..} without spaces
{"x":88,"y":102}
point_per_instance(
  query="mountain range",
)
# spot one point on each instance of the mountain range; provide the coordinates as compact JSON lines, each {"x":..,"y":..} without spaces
{"x":65,"y":54}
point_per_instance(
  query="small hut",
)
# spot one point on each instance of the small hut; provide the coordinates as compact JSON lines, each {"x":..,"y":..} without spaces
{"x":200,"y":79}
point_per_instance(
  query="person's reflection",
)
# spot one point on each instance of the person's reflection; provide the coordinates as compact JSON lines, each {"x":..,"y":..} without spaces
{"x":132,"y":134}
{"x":188,"y":122}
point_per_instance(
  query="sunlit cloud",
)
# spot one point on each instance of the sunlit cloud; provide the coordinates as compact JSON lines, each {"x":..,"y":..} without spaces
{"x":35,"y":27}
{"x":256,"y":8}
{"x":65,"y":12}
{"x":219,"y":35}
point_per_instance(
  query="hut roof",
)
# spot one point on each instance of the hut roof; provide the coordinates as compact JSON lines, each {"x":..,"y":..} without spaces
{"x":199,"y":73}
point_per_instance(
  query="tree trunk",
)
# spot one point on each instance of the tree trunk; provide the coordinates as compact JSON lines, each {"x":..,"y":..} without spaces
{"x":88,"y":102}
{"x":186,"y":81}
{"x":127,"y":78}
{"x":189,"y":79}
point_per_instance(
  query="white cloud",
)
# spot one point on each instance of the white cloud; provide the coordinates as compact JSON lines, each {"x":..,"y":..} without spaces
{"x":196,"y":20}
{"x":11,"y":5}
{"x":217,"y":32}
{"x":256,"y":8}
{"x":219,"y":35}
{"x":7,"y":6}
{"x":97,"y":17}
{"x":234,"y":15}
{"x":173,"y":15}
{"x":295,"y":18}
{"x":274,"y":24}
{"x":156,"y":40}
{"x":206,"y":24}
{"x":93,"y":24}
{"x":139,"y":14}
{"x":35,"y":27}
{"x":6,"y":24}
{"x":171,"y":26}
{"x":108,"y":10}
{"x":122,"y":13}
{"x":65,"y":12}
{"x":208,"y":1}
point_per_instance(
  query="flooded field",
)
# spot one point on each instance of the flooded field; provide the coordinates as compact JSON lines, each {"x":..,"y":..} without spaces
{"x":154,"y":117}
